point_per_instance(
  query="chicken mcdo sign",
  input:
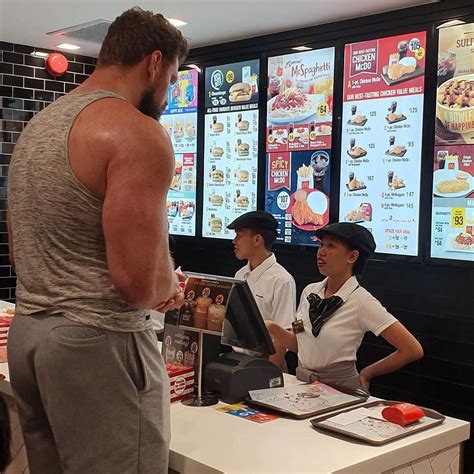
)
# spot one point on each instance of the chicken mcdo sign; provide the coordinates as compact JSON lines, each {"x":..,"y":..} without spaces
{"x":363,"y":58}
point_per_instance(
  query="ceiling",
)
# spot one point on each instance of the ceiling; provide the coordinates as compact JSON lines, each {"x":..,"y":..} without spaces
{"x":209,"y":21}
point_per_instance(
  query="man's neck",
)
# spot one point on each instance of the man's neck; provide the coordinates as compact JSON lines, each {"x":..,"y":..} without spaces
{"x":335,"y":283}
{"x":258,"y":259}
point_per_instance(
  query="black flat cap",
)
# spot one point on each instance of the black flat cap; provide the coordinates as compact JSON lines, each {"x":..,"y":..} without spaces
{"x":358,"y":237}
{"x":254,"y":220}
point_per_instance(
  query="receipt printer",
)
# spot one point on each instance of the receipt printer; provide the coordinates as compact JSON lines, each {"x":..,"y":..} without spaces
{"x":233,"y":374}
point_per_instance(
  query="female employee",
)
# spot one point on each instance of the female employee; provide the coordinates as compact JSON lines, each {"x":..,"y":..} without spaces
{"x":334,"y":315}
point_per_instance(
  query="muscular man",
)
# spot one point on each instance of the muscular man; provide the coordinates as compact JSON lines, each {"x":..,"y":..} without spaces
{"x":88,"y":234}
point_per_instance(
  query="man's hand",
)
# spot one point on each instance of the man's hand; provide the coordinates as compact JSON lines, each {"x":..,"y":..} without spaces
{"x":177,"y":300}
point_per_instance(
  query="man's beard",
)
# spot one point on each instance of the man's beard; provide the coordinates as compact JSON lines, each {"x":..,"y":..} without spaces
{"x":149,"y":107}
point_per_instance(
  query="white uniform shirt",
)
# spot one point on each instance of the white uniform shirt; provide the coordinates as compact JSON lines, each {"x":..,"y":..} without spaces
{"x":274,"y":290}
{"x":341,"y":336}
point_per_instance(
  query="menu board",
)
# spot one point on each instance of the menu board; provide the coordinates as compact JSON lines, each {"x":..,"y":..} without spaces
{"x":299,"y":102}
{"x":381,"y":139}
{"x":180,"y":121}
{"x":452,"y":235}
{"x":298,"y":143}
{"x":230,"y":145}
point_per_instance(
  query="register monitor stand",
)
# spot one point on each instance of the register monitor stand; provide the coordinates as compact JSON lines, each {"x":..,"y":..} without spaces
{"x":200,"y":400}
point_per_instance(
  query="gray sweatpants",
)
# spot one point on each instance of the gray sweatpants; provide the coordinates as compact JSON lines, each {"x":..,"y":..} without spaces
{"x":90,"y":400}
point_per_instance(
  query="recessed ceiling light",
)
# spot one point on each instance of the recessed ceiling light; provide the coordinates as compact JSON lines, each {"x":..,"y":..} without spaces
{"x":176,"y":22}
{"x":301,"y":48}
{"x":40,"y":54}
{"x":451,"y":23}
{"x":69,"y":47}
{"x":194,"y":66}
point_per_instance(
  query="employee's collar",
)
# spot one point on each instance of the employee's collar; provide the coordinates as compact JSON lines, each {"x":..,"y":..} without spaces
{"x":257,"y":272}
{"x":346,"y":290}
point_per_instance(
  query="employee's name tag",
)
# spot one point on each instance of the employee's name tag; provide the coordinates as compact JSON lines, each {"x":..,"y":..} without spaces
{"x":298,"y":326}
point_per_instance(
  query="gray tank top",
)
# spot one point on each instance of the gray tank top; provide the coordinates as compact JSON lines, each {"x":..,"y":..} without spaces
{"x":60,"y":255}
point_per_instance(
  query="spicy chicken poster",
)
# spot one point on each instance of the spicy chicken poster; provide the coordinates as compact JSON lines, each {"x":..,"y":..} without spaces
{"x":381,"y":139}
{"x":300,"y":101}
{"x":297,"y":194}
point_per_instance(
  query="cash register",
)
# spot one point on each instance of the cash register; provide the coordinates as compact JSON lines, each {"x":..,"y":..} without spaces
{"x":233,"y":374}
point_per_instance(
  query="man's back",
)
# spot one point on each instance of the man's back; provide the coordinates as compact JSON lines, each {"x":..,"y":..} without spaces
{"x":60,"y":252}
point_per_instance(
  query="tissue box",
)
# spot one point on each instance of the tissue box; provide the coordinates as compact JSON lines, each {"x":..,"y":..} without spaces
{"x":181,"y":381}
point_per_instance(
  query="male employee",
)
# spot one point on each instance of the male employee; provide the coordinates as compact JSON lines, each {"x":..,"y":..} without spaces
{"x":272,"y":286}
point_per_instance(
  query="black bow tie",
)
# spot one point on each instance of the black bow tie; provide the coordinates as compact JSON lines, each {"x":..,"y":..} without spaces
{"x":321,"y":310}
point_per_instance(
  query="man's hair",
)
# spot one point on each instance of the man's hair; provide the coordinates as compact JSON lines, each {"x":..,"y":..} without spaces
{"x":136,"y":33}
{"x":268,"y":235}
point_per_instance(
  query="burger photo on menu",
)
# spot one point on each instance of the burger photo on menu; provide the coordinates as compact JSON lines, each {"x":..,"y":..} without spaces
{"x":242,"y":125}
{"x":240,"y":92}
{"x":216,"y":200}
{"x":216,"y":175}
{"x":217,"y":151}
{"x":240,"y":200}
{"x":215,"y":224}
{"x":243,"y":149}
{"x":217,"y":127}
{"x":242,"y":176}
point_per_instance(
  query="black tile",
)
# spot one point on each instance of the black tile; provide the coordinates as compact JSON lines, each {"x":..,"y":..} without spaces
{"x":6,"y":114}
{"x":6,"y":68}
{"x":14,"y":58}
{"x":57,"y":95}
{"x":7,"y":282}
{"x":6,"y":137}
{"x":12,"y":295}
{"x":68,"y":56}
{"x":457,"y":352}
{"x":44,"y":95}
{"x":12,"y":103}
{"x":68,"y":77}
{"x":76,"y":67}
{"x":5,"y":169}
{"x":11,"y":126}
{"x":41,"y":73}
{"x":23,"y":93}
{"x":69,"y":87}
{"x":34,"y":83}
{"x":33,"y":61}
{"x":36,"y":106}
{"x":15,"y":137}
{"x":5,"y":270}
{"x":21,"y":48}
{"x":84,"y":59}
{"x":4,"y":293}
{"x":88,"y":69}
{"x":12,"y":80}
{"x":54,"y":86}
{"x":80,"y":78}
{"x":6,"y":91}
{"x":22,"y":116}
{"x":25,"y":71}
{"x":5,"y":159}
{"x":8,"y":147}
{"x":6,"y":46}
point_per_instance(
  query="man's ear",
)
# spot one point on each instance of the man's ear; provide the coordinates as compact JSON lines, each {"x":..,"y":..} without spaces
{"x":155,"y":61}
{"x":258,"y":240}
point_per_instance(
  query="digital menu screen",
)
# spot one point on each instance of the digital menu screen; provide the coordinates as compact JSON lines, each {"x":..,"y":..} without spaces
{"x":452,"y":235}
{"x":230,"y":145}
{"x":180,"y":121}
{"x":298,"y":143}
{"x":381,"y":139}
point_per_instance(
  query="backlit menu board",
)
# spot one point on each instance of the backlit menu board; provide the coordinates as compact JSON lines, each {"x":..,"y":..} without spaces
{"x":180,"y":121}
{"x":298,"y":143}
{"x":452,"y":235}
{"x":230,"y":145}
{"x":381,"y":139}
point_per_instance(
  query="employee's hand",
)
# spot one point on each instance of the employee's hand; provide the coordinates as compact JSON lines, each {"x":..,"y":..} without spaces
{"x":364,"y":380}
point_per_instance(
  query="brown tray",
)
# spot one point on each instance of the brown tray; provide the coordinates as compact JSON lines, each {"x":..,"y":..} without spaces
{"x":354,"y":190}
{"x":419,"y":71}
{"x":358,"y":124}
{"x":401,"y":119}
{"x":398,"y":155}
{"x":431,"y":419}
{"x":356,"y":157}
{"x":359,"y":397}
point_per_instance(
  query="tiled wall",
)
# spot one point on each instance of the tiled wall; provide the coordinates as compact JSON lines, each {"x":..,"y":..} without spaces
{"x":25,"y":89}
